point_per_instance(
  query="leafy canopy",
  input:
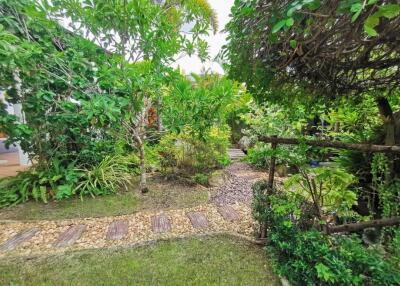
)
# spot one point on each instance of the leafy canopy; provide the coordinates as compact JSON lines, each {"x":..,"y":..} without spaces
{"x":336,"y":47}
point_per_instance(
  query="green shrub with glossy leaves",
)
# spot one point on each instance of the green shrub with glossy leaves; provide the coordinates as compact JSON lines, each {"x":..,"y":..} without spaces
{"x":306,"y":256}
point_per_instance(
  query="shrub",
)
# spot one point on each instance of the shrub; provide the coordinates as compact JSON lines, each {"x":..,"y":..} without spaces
{"x":395,"y":249}
{"x":107,"y":177}
{"x":309,"y":257}
{"x":55,"y":181}
{"x":260,"y":155}
{"x":59,"y":182}
{"x":187,"y":154}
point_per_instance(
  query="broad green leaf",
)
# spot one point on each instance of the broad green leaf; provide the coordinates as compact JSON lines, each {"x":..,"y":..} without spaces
{"x":289,"y":22}
{"x":278,"y":26}
{"x":369,"y":25}
{"x":293,"y":44}
{"x":356,"y":7}
{"x":370,"y":31}
{"x":390,"y":11}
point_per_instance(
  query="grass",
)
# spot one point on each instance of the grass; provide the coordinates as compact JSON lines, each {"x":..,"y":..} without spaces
{"x":218,"y":260}
{"x":163,"y":195}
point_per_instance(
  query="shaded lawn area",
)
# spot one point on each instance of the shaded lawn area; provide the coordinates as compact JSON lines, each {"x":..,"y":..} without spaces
{"x":217,"y":260}
{"x":163,"y":195}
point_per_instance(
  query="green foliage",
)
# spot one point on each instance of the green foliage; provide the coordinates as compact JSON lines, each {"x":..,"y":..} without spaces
{"x":388,"y":11}
{"x":310,"y":258}
{"x":202,"y":104}
{"x":292,"y":43}
{"x":79,"y":96}
{"x":54,"y":182}
{"x":111,"y":174}
{"x":60,"y":182}
{"x":267,"y":119}
{"x":307,"y":256}
{"x":183,"y":153}
{"x":260,"y":155}
{"x":202,"y":179}
{"x":395,"y":249}
{"x":388,"y":190}
{"x":328,"y":189}
{"x":261,"y":207}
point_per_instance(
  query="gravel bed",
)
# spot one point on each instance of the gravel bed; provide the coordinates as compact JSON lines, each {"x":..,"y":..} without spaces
{"x":239,"y":177}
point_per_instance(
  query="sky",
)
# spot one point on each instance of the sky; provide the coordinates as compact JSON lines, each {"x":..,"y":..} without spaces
{"x":215,"y":41}
{"x":193,"y":64}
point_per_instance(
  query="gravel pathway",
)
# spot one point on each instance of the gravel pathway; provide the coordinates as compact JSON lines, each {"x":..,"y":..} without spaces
{"x":48,"y":237}
{"x":239,"y":177}
{"x":229,"y":211}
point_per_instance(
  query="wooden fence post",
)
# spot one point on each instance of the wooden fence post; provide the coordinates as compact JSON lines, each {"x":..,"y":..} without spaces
{"x":270,"y":189}
{"x":272,"y":168}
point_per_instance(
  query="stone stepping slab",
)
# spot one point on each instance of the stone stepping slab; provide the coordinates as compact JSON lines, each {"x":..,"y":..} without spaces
{"x":160,"y":223}
{"x":228,"y":213}
{"x":197,"y":219}
{"x":18,"y":239}
{"x":70,"y":236}
{"x":117,"y":230}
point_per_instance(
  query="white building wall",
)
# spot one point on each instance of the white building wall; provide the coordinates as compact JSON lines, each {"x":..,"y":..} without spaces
{"x":16,"y":109}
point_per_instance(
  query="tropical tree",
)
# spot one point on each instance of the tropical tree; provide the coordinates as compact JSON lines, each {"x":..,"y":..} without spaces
{"x":201,"y":103}
{"x":134,"y":31}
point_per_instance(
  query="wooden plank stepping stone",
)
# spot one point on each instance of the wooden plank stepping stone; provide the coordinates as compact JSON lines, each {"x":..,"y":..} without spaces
{"x":197,"y":219}
{"x":228,"y":213}
{"x":117,"y":230}
{"x":18,"y":239}
{"x":160,"y":223}
{"x":70,"y":236}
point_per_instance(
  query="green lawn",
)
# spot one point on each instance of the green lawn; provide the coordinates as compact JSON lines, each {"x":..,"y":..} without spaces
{"x":163,"y":194}
{"x":219,"y":260}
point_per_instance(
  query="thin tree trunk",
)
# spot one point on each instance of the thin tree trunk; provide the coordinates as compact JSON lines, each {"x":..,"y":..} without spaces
{"x":392,"y":132}
{"x":140,"y":140}
{"x":143,"y":177}
{"x":160,"y":126}
{"x":388,"y":118}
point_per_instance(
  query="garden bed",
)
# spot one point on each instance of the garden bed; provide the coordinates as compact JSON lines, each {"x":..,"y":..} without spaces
{"x":163,"y":195}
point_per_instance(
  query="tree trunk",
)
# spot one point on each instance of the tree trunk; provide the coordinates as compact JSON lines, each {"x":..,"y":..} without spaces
{"x":160,"y":126}
{"x":388,"y":118}
{"x":140,"y":141}
{"x":143,"y":179}
{"x":392,"y":131}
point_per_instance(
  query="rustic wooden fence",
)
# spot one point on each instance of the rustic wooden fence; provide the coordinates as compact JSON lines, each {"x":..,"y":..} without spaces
{"x":274,"y":140}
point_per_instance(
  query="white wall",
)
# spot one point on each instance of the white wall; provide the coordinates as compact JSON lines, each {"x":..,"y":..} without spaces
{"x":17,"y":110}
